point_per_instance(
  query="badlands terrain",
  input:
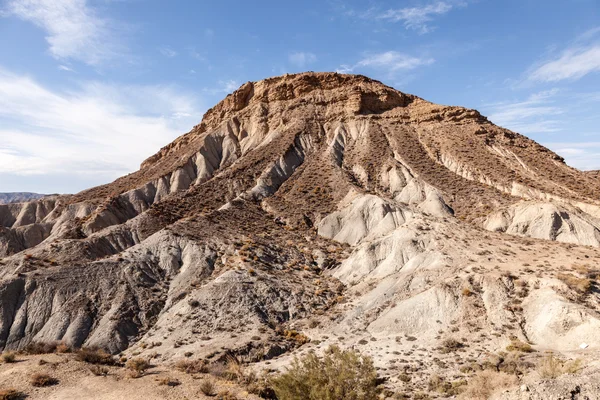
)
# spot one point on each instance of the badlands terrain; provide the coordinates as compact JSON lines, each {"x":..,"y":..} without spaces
{"x":306,"y":211}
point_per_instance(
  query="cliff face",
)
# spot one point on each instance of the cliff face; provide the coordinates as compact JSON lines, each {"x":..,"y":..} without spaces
{"x":314,"y":196}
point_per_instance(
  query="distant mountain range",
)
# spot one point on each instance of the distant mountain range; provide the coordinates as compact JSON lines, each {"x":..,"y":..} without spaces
{"x":19,"y":197}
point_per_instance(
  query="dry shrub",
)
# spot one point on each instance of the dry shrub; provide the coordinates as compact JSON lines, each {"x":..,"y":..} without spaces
{"x":42,"y":380}
{"x":40,"y":348}
{"x":94,"y":355}
{"x":99,"y":370}
{"x":551,"y":367}
{"x":517,"y":345}
{"x":168,"y":381}
{"x":580,"y":285}
{"x":338,"y":375}
{"x":207,"y":387}
{"x":226,"y":395}
{"x":9,"y":357}
{"x":450,"y":345}
{"x":11,"y":394}
{"x":485,"y":383}
{"x":192,"y":366}
{"x":137,"y":367}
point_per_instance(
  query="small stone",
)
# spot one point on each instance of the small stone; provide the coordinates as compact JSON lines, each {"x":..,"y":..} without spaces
{"x":524,"y":388}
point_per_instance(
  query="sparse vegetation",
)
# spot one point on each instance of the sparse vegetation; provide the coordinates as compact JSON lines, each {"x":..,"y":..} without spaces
{"x":551,"y":367}
{"x":43,"y":380}
{"x":168,"y":381}
{"x":94,"y":356}
{"x":207,"y":387}
{"x":99,"y":370}
{"x":137,"y":367}
{"x":482,"y":385}
{"x":580,"y":285}
{"x":9,"y":357}
{"x":192,"y":366}
{"x":11,"y":394}
{"x":517,"y":345}
{"x":338,"y":375}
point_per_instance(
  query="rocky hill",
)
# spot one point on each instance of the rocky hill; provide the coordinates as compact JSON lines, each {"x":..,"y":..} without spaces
{"x":19,"y":197}
{"x":316,"y":209}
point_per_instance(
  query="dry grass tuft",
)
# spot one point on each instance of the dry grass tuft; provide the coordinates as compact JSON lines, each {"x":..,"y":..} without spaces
{"x":485,"y":383}
{"x":207,"y":387}
{"x":11,"y":394}
{"x":192,"y":366}
{"x":517,"y":345}
{"x":9,"y":357}
{"x":580,"y":285}
{"x":93,"y":355}
{"x":43,"y":380}
{"x":137,"y":367}
{"x":551,"y":367}
{"x":168,"y":381}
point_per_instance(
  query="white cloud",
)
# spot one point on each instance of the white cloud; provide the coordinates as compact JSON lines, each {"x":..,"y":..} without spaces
{"x":73,"y":28}
{"x":416,"y":18}
{"x":65,"y":68}
{"x":100,"y":131}
{"x":301,"y":59}
{"x":168,"y":52}
{"x":574,"y":63}
{"x":390,"y":61}
{"x":582,"y":155}
{"x":534,"y":115}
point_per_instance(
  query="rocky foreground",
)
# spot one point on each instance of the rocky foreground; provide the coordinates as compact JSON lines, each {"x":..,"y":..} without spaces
{"x":317,"y":209}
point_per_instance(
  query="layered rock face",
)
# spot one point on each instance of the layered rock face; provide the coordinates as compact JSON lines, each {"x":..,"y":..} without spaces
{"x":319,"y":203}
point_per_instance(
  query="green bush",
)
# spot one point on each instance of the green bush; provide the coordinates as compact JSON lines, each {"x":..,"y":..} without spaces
{"x":338,"y":375}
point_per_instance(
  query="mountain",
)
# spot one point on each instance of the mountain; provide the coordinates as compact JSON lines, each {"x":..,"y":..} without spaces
{"x":326,"y":208}
{"x":19,"y":197}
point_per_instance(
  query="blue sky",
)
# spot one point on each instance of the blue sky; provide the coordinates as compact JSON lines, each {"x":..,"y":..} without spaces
{"x":90,"y":88}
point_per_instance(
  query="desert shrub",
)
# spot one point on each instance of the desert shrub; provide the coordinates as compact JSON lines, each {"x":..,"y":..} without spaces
{"x":93,"y":355}
{"x":207,"y":387}
{"x":226,"y":395}
{"x":517,"y":345}
{"x":167,"y":381}
{"x":9,"y":357}
{"x":11,"y":394}
{"x":63,"y":348}
{"x":42,"y":380}
{"x":99,"y":370}
{"x":551,"y":367}
{"x":482,"y":385}
{"x":450,"y":345}
{"x":580,"y":285}
{"x":338,"y":375}
{"x":137,"y":366}
{"x":40,"y":348}
{"x":192,"y":366}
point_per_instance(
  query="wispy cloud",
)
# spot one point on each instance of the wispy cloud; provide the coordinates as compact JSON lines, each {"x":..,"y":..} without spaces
{"x":74,"y":29}
{"x":416,"y":18}
{"x":574,"y":63}
{"x":167,"y":52}
{"x":579,"y":59}
{"x":65,"y":68}
{"x":536,"y":114}
{"x":301,"y":59}
{"x":98,"y":130}
{"x":390,"y":61}
{"x":582,"y":155}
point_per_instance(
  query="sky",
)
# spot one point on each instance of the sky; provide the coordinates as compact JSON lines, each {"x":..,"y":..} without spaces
{"x":90,"y":88}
